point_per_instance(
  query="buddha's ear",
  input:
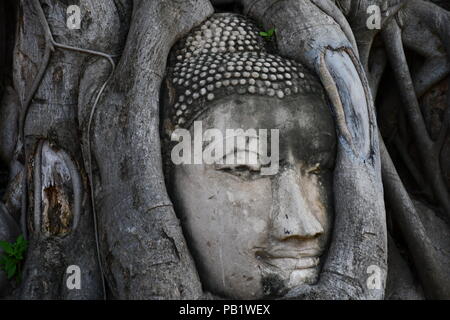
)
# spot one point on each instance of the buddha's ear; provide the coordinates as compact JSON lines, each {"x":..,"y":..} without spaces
{"x":142,"y":244}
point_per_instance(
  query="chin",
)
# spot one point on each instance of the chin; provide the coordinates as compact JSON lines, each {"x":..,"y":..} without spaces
{"x":277,"y":284}
{"x":270,"y":284}
{"x":303,"y":276}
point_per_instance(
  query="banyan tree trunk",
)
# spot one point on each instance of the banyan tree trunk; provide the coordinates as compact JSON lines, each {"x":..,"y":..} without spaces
{"x":141,"y":252}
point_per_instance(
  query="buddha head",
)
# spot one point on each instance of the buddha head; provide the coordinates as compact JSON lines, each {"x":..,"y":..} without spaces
{"x":254,"y":233}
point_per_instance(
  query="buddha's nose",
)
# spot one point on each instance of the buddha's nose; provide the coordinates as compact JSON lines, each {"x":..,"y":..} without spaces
{"x":292,"y":216}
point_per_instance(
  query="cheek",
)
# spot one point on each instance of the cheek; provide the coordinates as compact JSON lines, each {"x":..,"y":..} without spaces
{"x":214,"y":203}
{"x":226,"y":221}
{"x":316,"y":190}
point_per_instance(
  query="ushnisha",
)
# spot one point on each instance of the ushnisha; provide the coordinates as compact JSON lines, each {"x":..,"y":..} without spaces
{"x":226,"y":55}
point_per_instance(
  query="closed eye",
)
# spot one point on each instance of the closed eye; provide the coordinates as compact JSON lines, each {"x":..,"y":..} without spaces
{"x":239,"y":161}
{"x":242,"y":163}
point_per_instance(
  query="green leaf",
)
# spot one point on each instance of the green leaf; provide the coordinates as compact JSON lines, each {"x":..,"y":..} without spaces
{"x":20,"y":240}
{"x":267,"y":34}
{"x":11,"y":270}
{"x":18,"y":255}
{"x":20,"y":247}
{"x":11,"y":259}
{"x":7,"y":247}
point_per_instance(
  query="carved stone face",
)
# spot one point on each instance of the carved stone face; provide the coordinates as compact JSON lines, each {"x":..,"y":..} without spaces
{"x":255,"y":235}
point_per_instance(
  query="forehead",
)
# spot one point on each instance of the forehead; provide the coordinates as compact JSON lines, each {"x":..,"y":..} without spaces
{"x":304,"y":122}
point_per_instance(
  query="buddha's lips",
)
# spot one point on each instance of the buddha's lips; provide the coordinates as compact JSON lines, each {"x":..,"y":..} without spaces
{"x":292,"y":264}
{"x":294,"y":253}
{"x":291,"y":259}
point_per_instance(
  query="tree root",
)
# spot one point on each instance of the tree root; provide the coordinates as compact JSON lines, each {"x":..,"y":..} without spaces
{"x":50,"y":46}
{"x":431,"y":263}
{"x":426,"y":147}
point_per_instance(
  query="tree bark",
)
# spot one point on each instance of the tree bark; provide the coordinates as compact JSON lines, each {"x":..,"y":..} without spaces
{"x":80,"y":137}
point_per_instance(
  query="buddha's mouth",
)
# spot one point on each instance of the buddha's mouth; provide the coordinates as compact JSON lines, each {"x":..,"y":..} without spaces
{"x":293,"y":264}
{"x":290,"y":259}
